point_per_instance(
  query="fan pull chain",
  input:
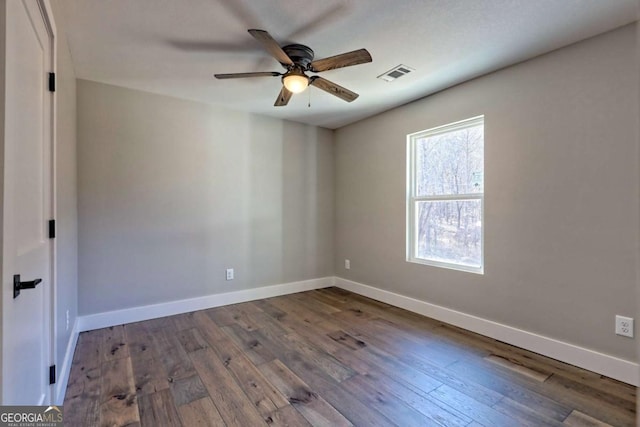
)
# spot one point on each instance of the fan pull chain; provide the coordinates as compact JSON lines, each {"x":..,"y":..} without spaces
{"x":309,"y":105}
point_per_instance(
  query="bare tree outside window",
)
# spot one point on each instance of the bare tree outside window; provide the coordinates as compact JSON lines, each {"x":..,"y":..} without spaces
{"x":446,"y":183}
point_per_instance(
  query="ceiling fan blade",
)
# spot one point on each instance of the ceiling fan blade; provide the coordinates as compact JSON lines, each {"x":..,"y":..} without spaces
{"x":271,"y":46}
{"x":283,"y":98}
{"x":244,"y":75}
{"x":333,"y":88}
{"x":360,"y":56}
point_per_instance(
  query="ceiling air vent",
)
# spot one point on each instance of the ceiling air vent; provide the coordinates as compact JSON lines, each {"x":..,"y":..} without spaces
{"x":395,"y":73}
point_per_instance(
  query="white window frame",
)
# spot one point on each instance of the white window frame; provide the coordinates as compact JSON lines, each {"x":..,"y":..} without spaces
{"x":412,"y":199}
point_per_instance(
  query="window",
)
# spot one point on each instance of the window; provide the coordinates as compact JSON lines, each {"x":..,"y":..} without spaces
{"x":445,"y":189}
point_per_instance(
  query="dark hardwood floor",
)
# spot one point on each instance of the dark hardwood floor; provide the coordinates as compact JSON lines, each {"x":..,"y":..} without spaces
{"x":326,"y":358}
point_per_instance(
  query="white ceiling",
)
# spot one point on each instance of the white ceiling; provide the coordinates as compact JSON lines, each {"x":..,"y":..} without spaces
{"x":174,"y":47}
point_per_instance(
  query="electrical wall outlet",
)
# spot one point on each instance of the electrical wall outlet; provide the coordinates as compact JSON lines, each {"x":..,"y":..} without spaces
{"x":347,"y":264}
{"x":229,"y":273}
{"x":624,"y":326}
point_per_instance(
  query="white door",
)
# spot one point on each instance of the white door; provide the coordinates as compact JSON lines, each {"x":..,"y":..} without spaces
{"x":27,"y":250}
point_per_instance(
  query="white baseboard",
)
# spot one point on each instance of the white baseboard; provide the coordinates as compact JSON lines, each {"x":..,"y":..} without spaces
{"x":137,"y":314}
{"x":604,"y":364}
{"x":610,"y":366}
{"x":65,"y":368}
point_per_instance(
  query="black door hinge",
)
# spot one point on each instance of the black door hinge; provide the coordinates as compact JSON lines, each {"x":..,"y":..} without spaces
{"x":52,"y":228}
{"x":52,"y":82}
{"x":52,"y":374}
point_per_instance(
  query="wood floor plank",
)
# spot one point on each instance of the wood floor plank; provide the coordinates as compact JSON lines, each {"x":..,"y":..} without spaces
{"x":384,"y":402}
{"x":164,"y":339}
{"x":201,"y":413}
{"x":139,"y":341}
{"x":352,"y":315}
{"x":443,"y":375}
{"x":265,"y":397}
{"x":397,"y":346}
{"x":240,"y":314}
{"x":318,"y":357}
{"x":327,"y":298}
{"x":214,"y":336}
{"x":251,"y":346}
{"x":315,"y":333}
{"x":433,"y":410}
{"x":220,"y":316}
{"x":520,"y":369}
{"x":173,"y":357}
{"x":292,"y":308}
{"x":347,"y":340}
{"x":165,"y":324}
{"x":118,"y":400}
{"x":524,"y":414}
{"x":269,"y":309}
{"x":536,"y":361}
{"x":472,"y":408}
{"x":183,"y":321}
{"x":376,"y":309}
{"x":371,"y":360}
{"x":508,"y":386}
{"x":149,"y":375}
{"x":248,"y":307}
{"x":578,"y":419}
{"x":586,"y":392}
{"x":314,"y":304}
{"x":447,"y":337}
{"x":158,"y":409}
{"x":353,"y":409}
{"x":269,"y":325}
{"x":310,"y":373}
{"x":394,"y":340}
{"x":191,"y":339}
{"x":326,"y":357}
{"x":186,"y":390}
{"x":588,"y":400}
{"x":114,"y":343}
{"x":88,"y":352}
{"x":361,"y":365}
{"x":392,"y":367}
{"x":287,"y":417}
{"x":609,"y":385}
{"x":425,"y":341}
{"x":82,"y":399}
{"x":312,"y":407}
{"x":226,"y":394}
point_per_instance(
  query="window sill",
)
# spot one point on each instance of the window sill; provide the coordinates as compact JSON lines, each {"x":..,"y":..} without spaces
{"x":447,"y":265}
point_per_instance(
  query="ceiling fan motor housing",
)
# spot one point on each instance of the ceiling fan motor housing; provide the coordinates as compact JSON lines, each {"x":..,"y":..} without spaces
{"x":300,"y":54}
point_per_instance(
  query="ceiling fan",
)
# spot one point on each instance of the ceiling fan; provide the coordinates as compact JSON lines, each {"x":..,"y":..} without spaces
{"x":297,"y":59}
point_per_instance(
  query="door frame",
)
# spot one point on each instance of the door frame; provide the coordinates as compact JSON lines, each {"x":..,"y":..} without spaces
{"x":49,"y":21}
{"x":50,"y":292}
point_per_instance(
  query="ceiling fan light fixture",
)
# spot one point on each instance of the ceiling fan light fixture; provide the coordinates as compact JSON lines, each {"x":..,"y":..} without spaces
{"x":295,"y":82}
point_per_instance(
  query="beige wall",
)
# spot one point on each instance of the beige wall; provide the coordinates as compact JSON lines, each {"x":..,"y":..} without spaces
{"x":66,"y":192}
{"x":172,"y":192}
{"x":561,"y":183}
